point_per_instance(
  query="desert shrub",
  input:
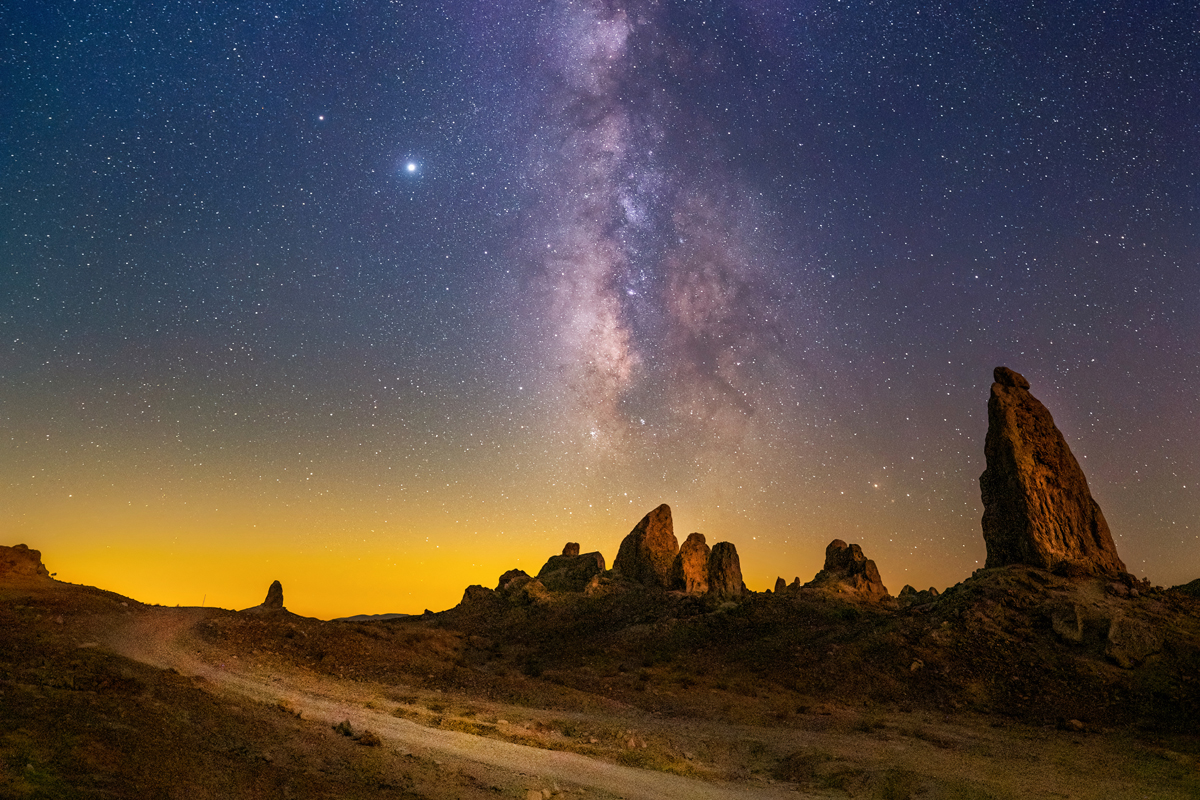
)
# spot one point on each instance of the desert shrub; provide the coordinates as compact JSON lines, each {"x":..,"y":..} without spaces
{"x":344,"y":728}
{"x":368,"y":738}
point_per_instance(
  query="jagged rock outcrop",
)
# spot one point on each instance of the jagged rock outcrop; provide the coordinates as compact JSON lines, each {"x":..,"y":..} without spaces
{"x":647,"y":554}
{"x":571,"y":572}
{"x":780,"y":585}
{"x":513,"y":574}
{"x":274,"y":596}
{"x":1037,"y":508}
{"x":913,"y":597}
{"x":725,"y":571}
{"x":690,"y":571}
{"x":848,"y":571}
{"x":19,"y":561}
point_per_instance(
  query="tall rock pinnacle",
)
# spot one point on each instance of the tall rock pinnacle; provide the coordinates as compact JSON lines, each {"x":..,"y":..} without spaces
{"x":1037,"y":508}
{"x":647,"y":554}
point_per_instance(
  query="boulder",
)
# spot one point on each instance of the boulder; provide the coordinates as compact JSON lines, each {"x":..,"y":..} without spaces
{"x":780,"y":585}
{"x":647,"y":554}
{"x":571,"y":549}
{"x":571,"y":572}
{"x":274,"y":596}
{"x":690,"y":571}
{"x":476,"y":595}
{"x":1067,"y":622}
{"x":19,"y":561}
{"x":848,"y":571}
{"x":725,"y":571}
{"x":1130,"y":641}
{"x":513,"y":574}
{"x":1037,"y":508}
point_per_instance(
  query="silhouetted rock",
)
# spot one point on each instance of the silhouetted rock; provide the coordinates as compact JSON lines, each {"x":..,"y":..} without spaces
{"x":20,"y":561}
{"x":691,"y":565}
{"x":571,"y":572}
{"x":476,"y":595}
{"x":1192,"y":588}
{"x":507,"y":578}
{"x":848,"y":571}
{"x":647,"y":554}
{"x":780,"y":585}
{"x":1037,"y":508}
{"x":725,"y":571}
{"x":571,"y":549}
{"x":912,"y":597}
{"x":274,"y":596}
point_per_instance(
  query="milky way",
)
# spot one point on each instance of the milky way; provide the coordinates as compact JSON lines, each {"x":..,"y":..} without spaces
{"x":754,"y":259}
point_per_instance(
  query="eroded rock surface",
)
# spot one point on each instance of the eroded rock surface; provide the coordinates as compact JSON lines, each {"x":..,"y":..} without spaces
{"x":691,"y":565}
{"x":1037,"y":508}
{"x":848,"y":571}
{"x":571,"y":572}
{"x":725,"y":571}
{"x":647,"y":554}
{"x":20,"y":561}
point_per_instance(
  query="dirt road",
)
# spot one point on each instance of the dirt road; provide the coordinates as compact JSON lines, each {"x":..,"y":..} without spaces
{"x":161,"y":638}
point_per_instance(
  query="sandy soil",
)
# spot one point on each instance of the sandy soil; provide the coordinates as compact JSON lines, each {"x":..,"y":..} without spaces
{"x":161,"y":638}
{"x":848,"y":752}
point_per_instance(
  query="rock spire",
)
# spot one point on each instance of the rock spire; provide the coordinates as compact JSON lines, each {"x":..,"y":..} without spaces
{"x":1037,"y":508}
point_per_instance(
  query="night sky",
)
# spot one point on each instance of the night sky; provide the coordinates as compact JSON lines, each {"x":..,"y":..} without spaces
{"x":383,"y":299}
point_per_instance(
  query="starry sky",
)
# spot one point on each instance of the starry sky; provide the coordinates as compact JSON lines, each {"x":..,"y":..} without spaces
{"x":381,"y":299}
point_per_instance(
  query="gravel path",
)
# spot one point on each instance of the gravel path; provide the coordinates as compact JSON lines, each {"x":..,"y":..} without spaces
{"x":159,"y":639}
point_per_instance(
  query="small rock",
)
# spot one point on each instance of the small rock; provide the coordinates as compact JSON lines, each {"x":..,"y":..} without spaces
{"x":916,"y":665}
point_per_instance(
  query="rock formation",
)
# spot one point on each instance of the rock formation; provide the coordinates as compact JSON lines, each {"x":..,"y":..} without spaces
{"x":725,"y":571}
{"x":690,"y":570}
{"x":912,"y":597}
{"x":780,"y":585}
{"x":274,"y":596}
{"x":1037,"y":508}
{"x":21,"y":562}
{"x":513,"y":574}
{"x":571,"y":572}
{"x":647,"y":554}
{"x":848,"y":571}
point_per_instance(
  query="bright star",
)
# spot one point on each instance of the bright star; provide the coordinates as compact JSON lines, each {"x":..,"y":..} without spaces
{"x":411,"y":166}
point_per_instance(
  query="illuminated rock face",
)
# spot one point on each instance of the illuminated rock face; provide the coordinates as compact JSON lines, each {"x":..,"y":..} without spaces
{"x":691,"y":565}
{"x":20,"y":561}
{"x":725,"y":571}
{"x":848,"y":571}
{"x":647,"y":554}
{"x":571,"y":572}
{"x":1037,"y":508}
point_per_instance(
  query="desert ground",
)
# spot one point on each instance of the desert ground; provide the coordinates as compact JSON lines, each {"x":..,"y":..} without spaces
{"x":625,"y":694}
